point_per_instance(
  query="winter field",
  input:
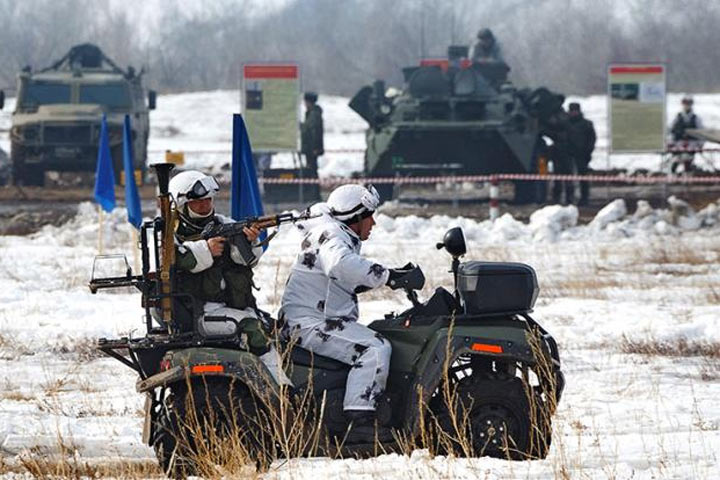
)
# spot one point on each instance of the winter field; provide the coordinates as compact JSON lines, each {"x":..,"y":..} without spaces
{"x":632,"y":298}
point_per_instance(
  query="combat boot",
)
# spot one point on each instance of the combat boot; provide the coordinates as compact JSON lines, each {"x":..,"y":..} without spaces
{"x":364,"y":428}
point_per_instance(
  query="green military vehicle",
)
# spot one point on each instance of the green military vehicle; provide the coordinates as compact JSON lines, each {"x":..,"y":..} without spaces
{"x":454,"y":117}
{"x":56,"y":122}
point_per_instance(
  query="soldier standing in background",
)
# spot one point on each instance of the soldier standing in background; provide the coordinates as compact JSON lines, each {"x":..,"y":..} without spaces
{"x":581,"y":140}
{"x":684,"y":120}
{"x":311,"y":131}
{"x":557,"y":130}
{"x":486,"y":49}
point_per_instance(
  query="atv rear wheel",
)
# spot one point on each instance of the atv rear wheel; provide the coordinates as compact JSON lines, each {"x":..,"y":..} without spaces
{"x":211,"y":421}
{"x":497,"y":419}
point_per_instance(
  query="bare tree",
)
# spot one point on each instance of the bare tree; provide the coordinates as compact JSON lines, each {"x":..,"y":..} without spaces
{"x":342,"y":45}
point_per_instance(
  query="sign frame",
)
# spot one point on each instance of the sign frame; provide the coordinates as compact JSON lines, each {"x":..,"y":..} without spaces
{"x":634,"y":90}
{"x":274,"y":73}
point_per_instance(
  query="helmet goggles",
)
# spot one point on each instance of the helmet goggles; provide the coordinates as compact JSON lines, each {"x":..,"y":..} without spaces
{"x":371,"y":198}
{"x":203,"y":188}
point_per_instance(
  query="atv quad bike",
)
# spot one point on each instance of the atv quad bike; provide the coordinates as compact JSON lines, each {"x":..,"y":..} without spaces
{"x":471,"y":373}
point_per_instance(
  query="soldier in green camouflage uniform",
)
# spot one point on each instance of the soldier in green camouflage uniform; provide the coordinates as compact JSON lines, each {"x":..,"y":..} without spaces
{"x":212,"y":272}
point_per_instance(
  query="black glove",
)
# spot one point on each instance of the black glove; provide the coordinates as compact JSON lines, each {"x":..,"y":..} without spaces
{"x":409,"y":276}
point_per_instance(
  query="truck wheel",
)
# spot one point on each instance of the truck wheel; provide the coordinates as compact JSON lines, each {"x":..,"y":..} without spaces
{"x":21,"y":173}
{"x":206,"y":419}
{"x":498,"y":420}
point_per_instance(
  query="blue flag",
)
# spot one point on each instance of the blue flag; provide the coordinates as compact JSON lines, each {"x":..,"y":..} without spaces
{"x":245,"y":198}
{"x":104,"y":176}
{"x":132,"y":197}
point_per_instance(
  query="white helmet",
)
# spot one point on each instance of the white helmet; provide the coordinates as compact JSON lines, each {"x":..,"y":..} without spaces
{"x":192,"y":185}
{"x":351,"y":203}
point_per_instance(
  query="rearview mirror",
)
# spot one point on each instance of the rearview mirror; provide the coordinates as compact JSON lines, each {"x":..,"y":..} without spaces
{"x":152,"y":99}
{"x":454,"y":242}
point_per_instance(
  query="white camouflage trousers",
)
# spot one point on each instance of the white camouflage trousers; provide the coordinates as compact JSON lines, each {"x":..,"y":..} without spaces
{"x":271,"y":359}
{"x":366,"y":351}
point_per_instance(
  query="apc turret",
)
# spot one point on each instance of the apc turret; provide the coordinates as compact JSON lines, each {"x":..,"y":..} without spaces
{"x":454,"y":117}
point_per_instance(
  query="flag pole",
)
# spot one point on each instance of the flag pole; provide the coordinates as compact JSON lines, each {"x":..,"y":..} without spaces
{"x":100,"y":230}
{"x":134,"y":240}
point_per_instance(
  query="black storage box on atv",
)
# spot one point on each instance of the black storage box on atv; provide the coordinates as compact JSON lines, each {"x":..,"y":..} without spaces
{"x":490,"y":287}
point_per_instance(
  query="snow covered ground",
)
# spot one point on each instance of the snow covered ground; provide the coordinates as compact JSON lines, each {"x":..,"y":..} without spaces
{"x":646,"y":278}
{"x":624,"y":284}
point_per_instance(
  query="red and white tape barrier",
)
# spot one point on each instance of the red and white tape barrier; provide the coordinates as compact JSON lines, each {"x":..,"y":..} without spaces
{"x":599,"y":148}
{"x":630,"y":179}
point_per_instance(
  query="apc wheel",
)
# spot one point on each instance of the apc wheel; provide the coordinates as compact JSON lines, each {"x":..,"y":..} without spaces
{"x":201,"y":419}
{"x":22,"y":174}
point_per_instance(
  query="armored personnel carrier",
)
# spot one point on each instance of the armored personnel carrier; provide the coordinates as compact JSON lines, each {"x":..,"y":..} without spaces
{"x":454,"y":117}
{"x":56,"y":122}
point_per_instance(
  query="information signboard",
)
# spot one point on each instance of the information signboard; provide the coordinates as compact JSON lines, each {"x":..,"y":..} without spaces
{"x":636,"y":107}
{"x":270,"y":106}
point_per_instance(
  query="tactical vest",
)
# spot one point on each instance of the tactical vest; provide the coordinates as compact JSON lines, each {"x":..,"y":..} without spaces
{"x":224,"y":282}
{"x":681,"y":125}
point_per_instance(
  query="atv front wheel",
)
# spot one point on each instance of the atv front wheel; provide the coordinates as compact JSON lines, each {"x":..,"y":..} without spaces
{"x":497,"y":419}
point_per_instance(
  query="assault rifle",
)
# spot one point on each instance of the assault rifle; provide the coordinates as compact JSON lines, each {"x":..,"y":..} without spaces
{"x":235,"y":235}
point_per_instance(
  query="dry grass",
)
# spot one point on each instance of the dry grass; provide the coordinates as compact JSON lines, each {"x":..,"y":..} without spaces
{"x":16,"y":396}
{"x":67,"y":464}
{"x":221,"y":443}
{"x":11,"y":348}
{"x":82,"y":349}
{"x":709,"y":352}
{"x":710,"y":369}
{"x":61,"y":461}
{"x":680,"y":347}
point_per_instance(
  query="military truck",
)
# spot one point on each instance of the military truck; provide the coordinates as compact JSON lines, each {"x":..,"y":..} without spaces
{"x":454,"y":117}
{"x":56,"y":122}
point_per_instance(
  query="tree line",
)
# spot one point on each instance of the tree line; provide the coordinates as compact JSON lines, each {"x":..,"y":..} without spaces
{"x":344,"y":44}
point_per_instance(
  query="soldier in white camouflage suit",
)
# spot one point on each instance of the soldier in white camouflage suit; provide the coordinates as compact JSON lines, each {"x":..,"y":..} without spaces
{"x":320,"y":304}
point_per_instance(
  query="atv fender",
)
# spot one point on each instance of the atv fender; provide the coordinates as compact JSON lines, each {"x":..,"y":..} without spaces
{"x":505,"y":339}
{"x":188,"y":364}
{"x":183,"y":365}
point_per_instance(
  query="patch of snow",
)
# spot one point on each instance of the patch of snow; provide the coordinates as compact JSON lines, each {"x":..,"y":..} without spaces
{"x":612,"y":212}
